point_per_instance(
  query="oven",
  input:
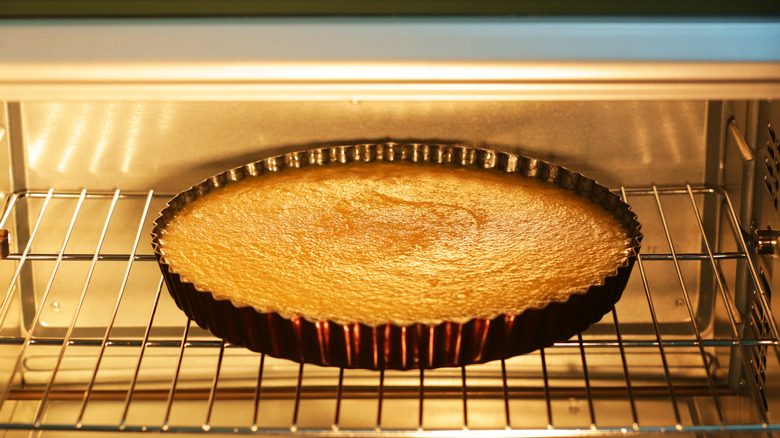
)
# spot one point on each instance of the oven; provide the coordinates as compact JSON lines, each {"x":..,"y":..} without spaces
{"x":102,"y":122}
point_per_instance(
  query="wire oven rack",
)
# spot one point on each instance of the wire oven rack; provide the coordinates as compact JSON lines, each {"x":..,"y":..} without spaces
{"x":79,"y":355}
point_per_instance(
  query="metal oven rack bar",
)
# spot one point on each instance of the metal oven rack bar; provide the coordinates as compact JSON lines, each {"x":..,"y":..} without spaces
{"x":686,"y":384}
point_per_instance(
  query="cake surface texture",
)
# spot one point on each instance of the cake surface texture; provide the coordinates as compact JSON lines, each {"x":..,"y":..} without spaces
{"x":393,"y":243}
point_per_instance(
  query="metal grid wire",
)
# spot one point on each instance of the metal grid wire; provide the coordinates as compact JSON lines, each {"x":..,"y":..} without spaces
{"x":647,"y":375}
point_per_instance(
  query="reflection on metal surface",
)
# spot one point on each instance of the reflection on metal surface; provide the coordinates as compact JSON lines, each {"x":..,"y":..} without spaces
{"x":739,"y":138}
{"x":77,"y":131}
{"x":168,"y":146}
{"x":37,"y":145}
{"x":5,"y":244}
{"x":103,"y":142}
{"x":766,"y":241}
{"x":131,"y":130}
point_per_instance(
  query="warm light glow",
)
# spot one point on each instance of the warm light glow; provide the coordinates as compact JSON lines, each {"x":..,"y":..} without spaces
{"x":36,"y":146}
{"x":73,"y":139}
{"x":103,"y":142}
{"x":134,"y":126}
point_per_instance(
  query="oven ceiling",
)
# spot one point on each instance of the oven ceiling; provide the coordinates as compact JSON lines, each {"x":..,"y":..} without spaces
{"x":383,"y":59}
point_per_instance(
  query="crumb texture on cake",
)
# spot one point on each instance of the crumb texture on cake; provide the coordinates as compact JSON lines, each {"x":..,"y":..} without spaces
{"x":396,"y":243}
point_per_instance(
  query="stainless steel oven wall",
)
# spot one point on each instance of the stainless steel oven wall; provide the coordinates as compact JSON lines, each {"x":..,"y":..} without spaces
{"x":169,"y":146}
{"x":13,"y":325}
{"x":766,"y":216}
{"x":5,"y":155}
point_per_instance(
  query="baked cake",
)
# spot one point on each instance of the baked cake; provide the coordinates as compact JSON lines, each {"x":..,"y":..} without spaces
{"x":399,"y":244}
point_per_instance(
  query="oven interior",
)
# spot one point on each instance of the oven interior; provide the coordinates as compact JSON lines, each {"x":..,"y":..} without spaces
{"x":90,"y":340}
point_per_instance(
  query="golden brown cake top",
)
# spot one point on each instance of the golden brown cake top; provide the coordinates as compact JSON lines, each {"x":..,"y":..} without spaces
{"x":393,"y":243}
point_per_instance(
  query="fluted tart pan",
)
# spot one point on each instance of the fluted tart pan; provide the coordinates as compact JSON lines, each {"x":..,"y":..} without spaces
{"x":419,"y":345}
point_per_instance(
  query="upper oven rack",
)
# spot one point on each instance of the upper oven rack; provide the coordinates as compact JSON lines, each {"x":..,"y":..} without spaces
{"x":688,"y":385}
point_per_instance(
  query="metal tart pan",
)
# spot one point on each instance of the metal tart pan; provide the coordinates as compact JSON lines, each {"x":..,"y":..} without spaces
{"x":391,"y":346}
